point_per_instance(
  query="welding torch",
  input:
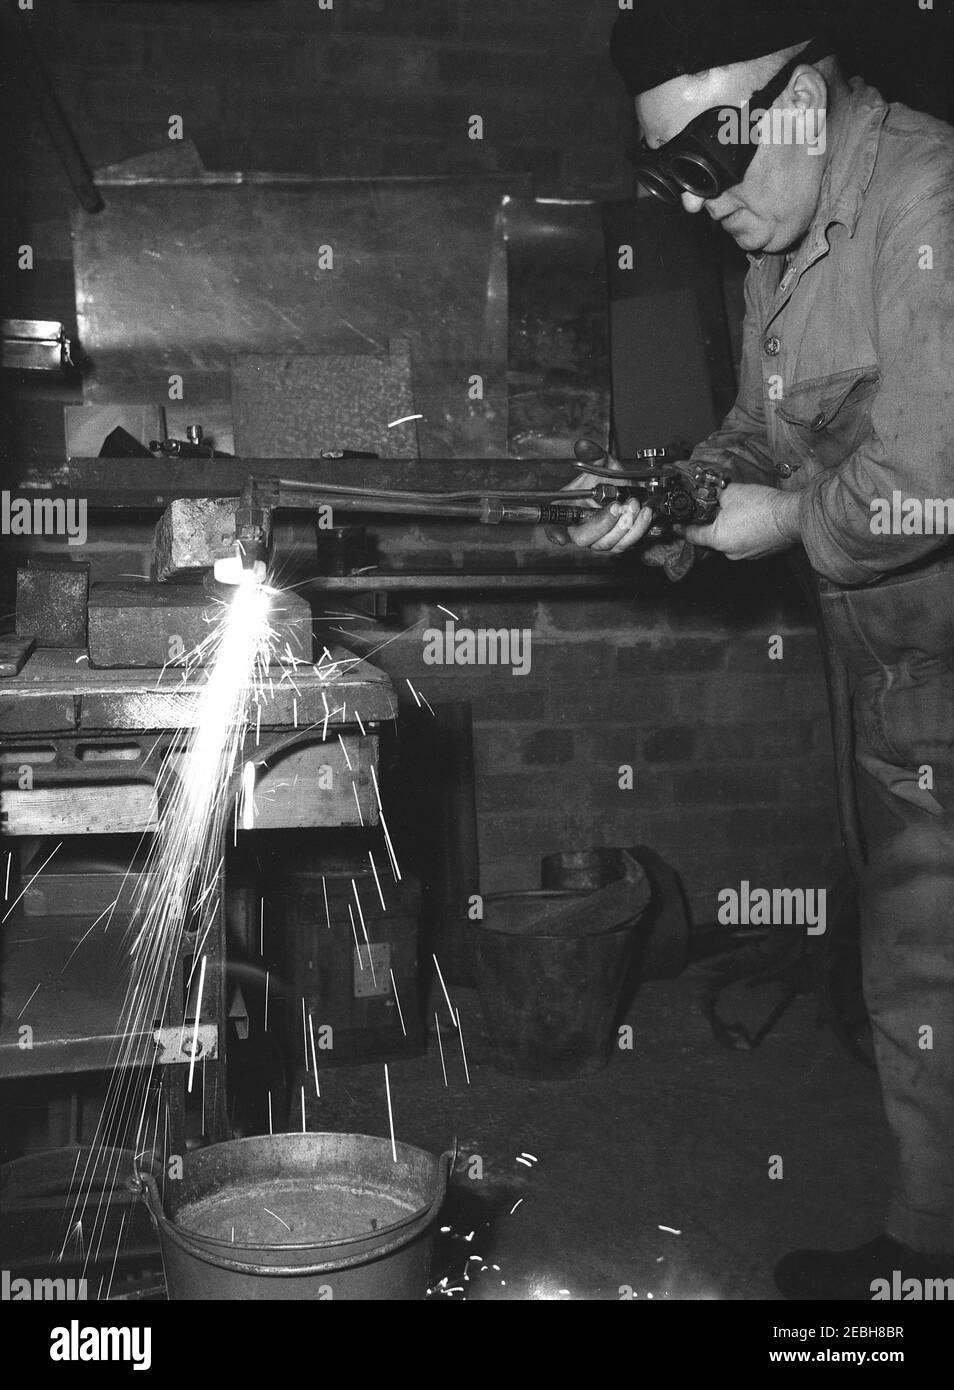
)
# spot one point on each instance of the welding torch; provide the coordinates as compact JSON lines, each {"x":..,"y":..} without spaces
{"x":676,"y":495}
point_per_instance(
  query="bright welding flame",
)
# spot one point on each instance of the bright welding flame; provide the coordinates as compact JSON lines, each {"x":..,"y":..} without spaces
{"x":231,"y":569}
{"x":178,"y":892}
{"x":239,"y":650}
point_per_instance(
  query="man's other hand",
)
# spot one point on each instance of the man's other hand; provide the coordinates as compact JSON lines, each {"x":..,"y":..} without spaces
{"x":613,"y":529}
{"x":752,"y":521}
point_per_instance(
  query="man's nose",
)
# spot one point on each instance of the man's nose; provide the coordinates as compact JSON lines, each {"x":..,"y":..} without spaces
{"x":691,"y":203}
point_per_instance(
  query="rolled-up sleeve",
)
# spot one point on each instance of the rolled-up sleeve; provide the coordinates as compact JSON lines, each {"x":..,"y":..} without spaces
{"x":910,"y":450}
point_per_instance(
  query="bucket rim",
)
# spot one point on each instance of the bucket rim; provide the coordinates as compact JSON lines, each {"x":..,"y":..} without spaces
{"x":183,"y":1235}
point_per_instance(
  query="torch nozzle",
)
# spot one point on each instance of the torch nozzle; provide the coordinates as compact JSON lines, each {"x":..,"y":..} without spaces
{"x":253,"y":524}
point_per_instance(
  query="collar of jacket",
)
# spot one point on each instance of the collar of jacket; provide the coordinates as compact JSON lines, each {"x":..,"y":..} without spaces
{"x":851,"y":163}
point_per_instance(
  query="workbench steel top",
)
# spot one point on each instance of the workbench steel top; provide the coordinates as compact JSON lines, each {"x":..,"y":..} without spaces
{"x":57,"y":692}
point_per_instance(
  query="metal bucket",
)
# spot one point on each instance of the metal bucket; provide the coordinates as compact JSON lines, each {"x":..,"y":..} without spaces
{"x":356,"y":1225}
{"x":550,"y":1001}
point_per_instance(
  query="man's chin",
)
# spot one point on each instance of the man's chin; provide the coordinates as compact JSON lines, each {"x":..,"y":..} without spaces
{"x":750,"y":241}
{"x":739,"y":227}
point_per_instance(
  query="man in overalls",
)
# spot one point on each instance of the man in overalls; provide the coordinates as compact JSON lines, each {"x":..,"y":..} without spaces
{"x":841,"y":441}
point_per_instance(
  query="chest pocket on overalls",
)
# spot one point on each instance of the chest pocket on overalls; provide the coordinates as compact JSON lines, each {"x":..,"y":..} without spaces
{"x":828,"y":418}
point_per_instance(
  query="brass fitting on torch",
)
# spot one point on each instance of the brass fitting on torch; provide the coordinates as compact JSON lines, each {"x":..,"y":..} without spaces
{"x":253,"y":530}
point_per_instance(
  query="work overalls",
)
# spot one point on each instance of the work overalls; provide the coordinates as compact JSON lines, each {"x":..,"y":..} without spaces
{"x":847,"y":395}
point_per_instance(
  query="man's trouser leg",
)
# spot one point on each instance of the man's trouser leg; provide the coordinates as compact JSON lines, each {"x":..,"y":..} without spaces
{"x":897,"y":641}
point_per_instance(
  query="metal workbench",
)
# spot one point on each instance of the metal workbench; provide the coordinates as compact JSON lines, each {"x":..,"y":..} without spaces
{"x":63,"y":720}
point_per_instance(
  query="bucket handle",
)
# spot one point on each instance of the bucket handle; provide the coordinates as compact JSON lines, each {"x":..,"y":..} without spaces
{"x":150,"y":1195}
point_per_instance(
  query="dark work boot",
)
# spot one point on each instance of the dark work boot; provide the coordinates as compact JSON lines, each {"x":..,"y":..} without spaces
{"x":849,"y":1275}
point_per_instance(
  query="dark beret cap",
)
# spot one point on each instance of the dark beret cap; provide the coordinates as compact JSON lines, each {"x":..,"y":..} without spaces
{"x":658,"y":40}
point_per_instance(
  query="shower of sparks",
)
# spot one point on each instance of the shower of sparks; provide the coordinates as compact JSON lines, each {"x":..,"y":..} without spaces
{"x":413,"y":692}
{"x":277,"y":1217}
{"x":73,"y":1175}
{"x":77,"y":1235}
{"x":515,"y":1205}
{"x":155,"y":1128}
{"x":175,"y":899}
{"x":304,"y":1029}
{"x":198,"y":1017}
{"x":463,"y":1053}
{"x":6,"y":885}
{"x":448,"y":612}
{"x":364,"y":930}
{"x":314,"y":1059}
{"x":440,"y":1047}
{"x":384,"y":826}
{"x":360,"y":725}
{"x":119,"y":1241}
{"x":265,"y":1029}
{"x":248,"y":797}
{"x":377,"y":792}
{"x":395,"y":867}
{"x":344,"y":749}
{"x":398,"y":1002}
{"x":387,"y":1083}
{"x":324,"y":889}
{"x":377,"y":881}
{"x":89,"y":929}
{"x":20,"y":1014}
{"x":444,"y":988}
{"x":303,"y":1125}
{"x":354,"y":661}
{"x":270,"y":1130}
{"x":403,"y":420}
{"x":354,"y":788}
{"x":30,"y":882}
{"x":99,"y":1247}
{"x":357,"y":943}
{"x":261,"y":927}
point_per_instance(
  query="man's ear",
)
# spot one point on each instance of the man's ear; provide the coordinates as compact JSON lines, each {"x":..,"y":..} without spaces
{"x":808,"y":89}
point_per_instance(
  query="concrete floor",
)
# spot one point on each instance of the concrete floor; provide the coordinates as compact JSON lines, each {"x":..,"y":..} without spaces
{"x":679,"y":1132}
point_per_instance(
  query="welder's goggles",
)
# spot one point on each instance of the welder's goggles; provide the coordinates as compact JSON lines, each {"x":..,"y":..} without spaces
{"x":713,"y":154}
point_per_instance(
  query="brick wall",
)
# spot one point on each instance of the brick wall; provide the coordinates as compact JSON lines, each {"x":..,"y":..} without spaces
{"x":730,"y":749}
{"x":371,"y":86}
